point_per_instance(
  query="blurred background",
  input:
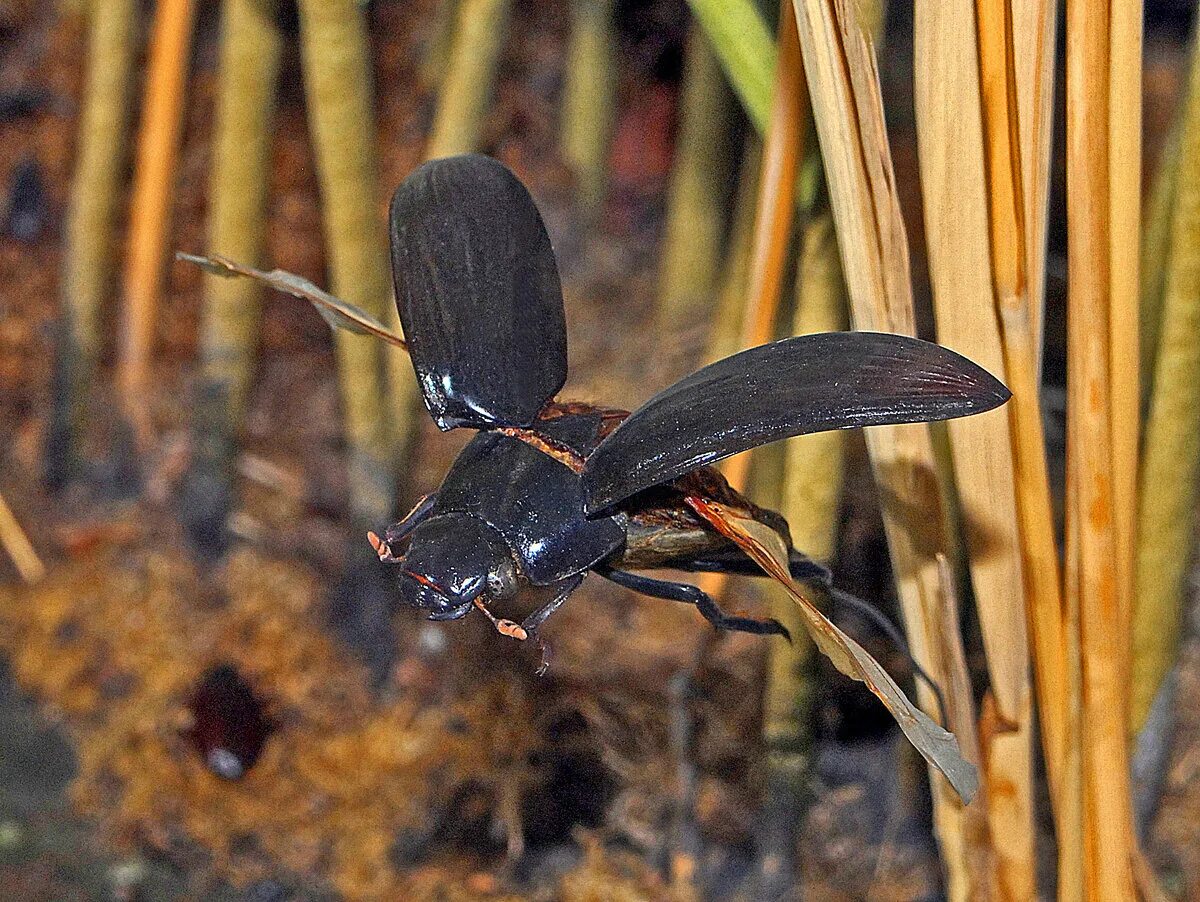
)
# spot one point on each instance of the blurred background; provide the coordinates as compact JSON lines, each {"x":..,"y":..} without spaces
{"x":188,"y":466}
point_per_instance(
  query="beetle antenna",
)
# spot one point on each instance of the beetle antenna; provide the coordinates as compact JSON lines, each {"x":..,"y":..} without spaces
{"x":889,"y":629}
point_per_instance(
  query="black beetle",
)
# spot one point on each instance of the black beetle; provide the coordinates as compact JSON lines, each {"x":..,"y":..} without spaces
{"x":550,"y":490}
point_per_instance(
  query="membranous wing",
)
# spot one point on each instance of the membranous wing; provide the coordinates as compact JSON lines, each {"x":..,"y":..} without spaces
{"x":811,"y":383}
{"x":478,"y":291}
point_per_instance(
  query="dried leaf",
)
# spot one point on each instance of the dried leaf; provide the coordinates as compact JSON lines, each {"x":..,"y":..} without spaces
{"x":766,"y":548}
{"x":338,"y":313}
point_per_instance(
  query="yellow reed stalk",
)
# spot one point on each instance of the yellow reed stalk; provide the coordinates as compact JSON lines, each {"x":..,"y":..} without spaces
{"x":470,"y":77}
{"x":1171,"y":450}
{"x":776,"y":205}
{"x":589,"y":100}
{"x":150,"y":206}
{"x":16,"y":543}
{"x":691,"y":248}
{"x":251,"y":44}
{"x":1097,"y":183}
{"x":337,"y":81}
{"x":1125,"y":221}
{"x":844,"y":84}
{"x":92,"y":210}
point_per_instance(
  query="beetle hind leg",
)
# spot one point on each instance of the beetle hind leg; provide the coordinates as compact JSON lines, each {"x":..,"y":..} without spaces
{"x":685,"y":592}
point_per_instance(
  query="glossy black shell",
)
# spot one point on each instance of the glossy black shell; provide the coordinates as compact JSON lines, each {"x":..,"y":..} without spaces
{"x":534,"y":501}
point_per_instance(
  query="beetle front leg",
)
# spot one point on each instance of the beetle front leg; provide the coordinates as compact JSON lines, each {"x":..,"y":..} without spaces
{"x":661,"y":588}
{"x":397,"y":532}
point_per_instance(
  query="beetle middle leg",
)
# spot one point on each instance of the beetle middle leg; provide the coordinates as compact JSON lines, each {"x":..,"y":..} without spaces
{"x":673,"y":591}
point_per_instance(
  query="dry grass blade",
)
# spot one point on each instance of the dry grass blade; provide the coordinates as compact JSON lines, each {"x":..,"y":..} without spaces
{"x":87,"y":253}
{"x":338,"y":313}
{"x":150,"y":206}
{"x":968,"y":134}
{"x":1097,"y":184}
{"x":766,"y":548}
{"x":776,"y":206}
{"x":1170,"y":477}
{"x":16,"y":543}
{"x":844,"y":85}
{"x":1033,"y":65}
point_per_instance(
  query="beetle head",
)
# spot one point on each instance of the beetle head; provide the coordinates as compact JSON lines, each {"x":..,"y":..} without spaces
{"x":453,"y":559}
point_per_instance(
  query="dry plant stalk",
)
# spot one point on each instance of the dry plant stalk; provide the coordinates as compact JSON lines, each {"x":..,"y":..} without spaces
{"x":150,"y":205}
{"x":337,"y":80}
{"x":470,"y":77}
{"x":1033,"y":65}
{"x":691,"y":248}
{"x":16,"y":543}
{"x":1171,"y":464}
{"x":1100,"y":366}
{"x":973,"y":169}
{"x":844,"y":83}
{"x":92,"y":212}
{"x":589,"y":100}
{"x":251,"y":44}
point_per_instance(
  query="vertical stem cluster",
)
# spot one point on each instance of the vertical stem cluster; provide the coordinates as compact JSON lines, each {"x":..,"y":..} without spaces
{"x":978,"y":177}
{"x":844,"y":83}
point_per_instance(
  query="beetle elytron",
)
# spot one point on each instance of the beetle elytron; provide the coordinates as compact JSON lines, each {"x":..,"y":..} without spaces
{"x":550,"y":490}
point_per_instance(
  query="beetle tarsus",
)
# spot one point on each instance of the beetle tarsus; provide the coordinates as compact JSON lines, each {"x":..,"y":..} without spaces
{"x":382,"y":549}
{"x":685,"y":592}
{"x":504,"y":627}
